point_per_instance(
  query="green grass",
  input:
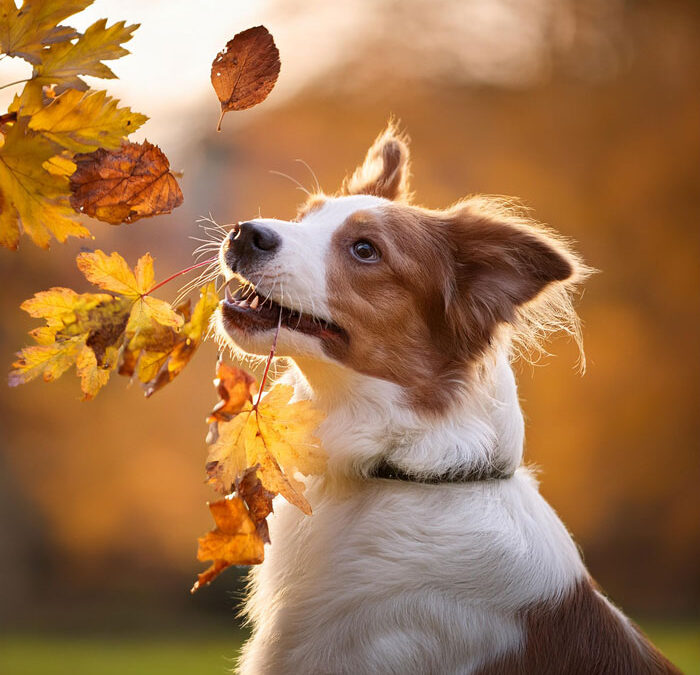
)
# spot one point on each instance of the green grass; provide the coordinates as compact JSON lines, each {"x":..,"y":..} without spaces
{"x":679,"y":642}
{"x":59,"y":655}
{"x":34,"y":655}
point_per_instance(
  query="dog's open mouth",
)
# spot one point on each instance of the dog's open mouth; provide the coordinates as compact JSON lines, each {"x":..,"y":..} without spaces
{"x":246,"y":311}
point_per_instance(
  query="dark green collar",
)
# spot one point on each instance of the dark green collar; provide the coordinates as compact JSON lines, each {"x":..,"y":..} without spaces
{"x":389,"y":471}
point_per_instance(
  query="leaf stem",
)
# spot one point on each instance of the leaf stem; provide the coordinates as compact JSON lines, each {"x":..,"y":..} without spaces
{"x":180,"y":273}
{"x":10,"y":84}
{"x":269,"y":361}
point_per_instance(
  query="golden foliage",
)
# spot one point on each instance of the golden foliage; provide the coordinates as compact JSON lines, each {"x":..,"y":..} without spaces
{"x":63,"y":149}
{"x":82,"y":122}
{"x":276,"y":435}
{"x":56,"y":116}
{"x":30,"y":195}
{"x":256,"y":453}
{"x":125,"y":328}
{"x":26,"y":31}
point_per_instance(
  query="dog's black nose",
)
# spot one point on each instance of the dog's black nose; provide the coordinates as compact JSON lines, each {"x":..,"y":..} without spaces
{"x":249,"y":242}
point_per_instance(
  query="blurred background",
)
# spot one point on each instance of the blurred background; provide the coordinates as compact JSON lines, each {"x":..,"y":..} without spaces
{"x":587,"y":110}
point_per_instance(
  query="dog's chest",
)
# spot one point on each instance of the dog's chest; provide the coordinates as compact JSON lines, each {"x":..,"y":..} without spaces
{"x":427,"y":578}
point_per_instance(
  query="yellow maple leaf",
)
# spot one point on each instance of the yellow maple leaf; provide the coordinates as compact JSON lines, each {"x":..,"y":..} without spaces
{"x":82,"y":122}
{"x":24,"y":32}
{"x":92,"y":376}
{"x":112,"y":273}
{"x":75,"y":325}
{"x":48,"y":360}
{"x":161,"y":352}
{"x":98,"y":331}
{"x":62,"y":63}
{"x":30,"y":195}
{"x":278,"y":436}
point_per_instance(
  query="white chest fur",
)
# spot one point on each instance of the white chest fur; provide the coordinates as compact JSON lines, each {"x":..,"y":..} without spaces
{"x":396,"y":577}
{"x":392,"y":577}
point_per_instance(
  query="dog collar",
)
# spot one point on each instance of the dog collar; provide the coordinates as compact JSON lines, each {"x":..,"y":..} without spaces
{"x":389,"y":471}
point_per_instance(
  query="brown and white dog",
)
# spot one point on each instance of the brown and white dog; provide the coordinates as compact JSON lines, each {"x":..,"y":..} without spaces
{"x":430,"y":549}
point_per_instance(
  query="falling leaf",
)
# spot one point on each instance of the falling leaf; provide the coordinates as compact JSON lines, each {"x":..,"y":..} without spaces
{"x":234,"y":541}
{"x":244,"y":73}
{"x":279,"y":437}
{"x":26,"y":31}
{"x":30,"y":196}
{"x":123,"y":185}
{"x":83,"y":122}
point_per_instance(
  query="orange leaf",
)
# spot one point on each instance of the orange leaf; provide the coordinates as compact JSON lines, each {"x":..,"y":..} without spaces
{"x":244,"y":73}
{"x":234,"y":541}
{"x":123,"y":185}
{"x":235,"y":388}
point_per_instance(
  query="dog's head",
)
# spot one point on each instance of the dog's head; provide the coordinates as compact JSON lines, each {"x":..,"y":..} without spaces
{"x":366,"y":280}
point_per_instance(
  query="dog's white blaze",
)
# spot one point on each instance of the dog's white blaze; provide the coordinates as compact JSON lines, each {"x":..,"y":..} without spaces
{"x":296,"y":277}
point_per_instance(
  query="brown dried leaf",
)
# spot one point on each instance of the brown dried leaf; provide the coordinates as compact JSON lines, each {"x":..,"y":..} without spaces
{"x":258,"y":500}
{"x":123,"y":185}
{"x":235,"y":388}
{"x":234,"y":541}
{"x":244,"y":73}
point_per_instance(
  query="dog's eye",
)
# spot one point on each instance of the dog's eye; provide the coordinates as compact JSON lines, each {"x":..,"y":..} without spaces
{"x":364,"y":251}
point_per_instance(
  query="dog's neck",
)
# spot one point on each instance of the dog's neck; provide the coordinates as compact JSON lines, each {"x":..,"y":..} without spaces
{"x":368,"y":420}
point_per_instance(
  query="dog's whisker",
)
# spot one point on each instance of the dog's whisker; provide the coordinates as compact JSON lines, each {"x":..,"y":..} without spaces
{"x":313,"y":175}
{"x":293,"y":180}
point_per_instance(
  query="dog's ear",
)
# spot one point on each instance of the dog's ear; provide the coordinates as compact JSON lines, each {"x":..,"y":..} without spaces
{"x":385,"y":171}
{"x":503,"y":261}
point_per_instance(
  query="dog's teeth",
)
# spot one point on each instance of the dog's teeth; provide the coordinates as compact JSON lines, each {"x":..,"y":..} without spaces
{"x":229,"y":297}
{"x":254,"y":304}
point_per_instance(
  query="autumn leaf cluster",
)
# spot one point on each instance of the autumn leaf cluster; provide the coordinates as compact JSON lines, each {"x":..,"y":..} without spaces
{"x":125,"y":329}
{"x":64,"y":153}
{"x":57,"y":133}
{"x":256,"y":450}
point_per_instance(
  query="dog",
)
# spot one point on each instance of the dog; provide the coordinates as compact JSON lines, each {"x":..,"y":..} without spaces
{"x":430,"y":549}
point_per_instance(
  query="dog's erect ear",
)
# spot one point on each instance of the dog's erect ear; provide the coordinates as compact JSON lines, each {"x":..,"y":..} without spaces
{"x":385,"y":171}
{"x":504,"y":261}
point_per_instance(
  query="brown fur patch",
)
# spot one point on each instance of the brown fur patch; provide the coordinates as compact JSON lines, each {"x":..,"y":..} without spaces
{"x":431,"y":307}
{"x":393,"y":310}
{"x":581,"y":634}
{"x":385,"y":171}
{"x":313,"y":203}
